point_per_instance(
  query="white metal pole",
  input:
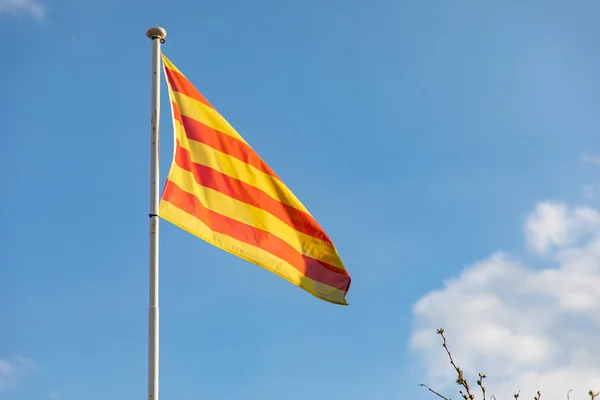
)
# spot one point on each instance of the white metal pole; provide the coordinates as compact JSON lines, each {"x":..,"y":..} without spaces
{"x":157,"y":35}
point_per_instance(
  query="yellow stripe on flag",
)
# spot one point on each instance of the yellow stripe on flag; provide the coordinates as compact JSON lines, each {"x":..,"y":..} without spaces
{"x":253,"y":254}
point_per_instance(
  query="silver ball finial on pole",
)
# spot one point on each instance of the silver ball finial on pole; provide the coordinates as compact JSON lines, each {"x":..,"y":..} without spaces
{"x":156,"y":33}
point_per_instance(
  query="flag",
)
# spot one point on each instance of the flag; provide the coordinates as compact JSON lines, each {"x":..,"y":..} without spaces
{"x":220,"y":190}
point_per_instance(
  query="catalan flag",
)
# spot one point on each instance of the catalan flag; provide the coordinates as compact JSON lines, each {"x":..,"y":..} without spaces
{"x":221,"y":191}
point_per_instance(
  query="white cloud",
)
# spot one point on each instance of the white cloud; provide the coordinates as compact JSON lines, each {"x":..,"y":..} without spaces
{"x":54,"y":394}
{"x":527,"y":328}
{"x":554,"y":225}
{"x":12,"y":371}
{"x":23,"y":7}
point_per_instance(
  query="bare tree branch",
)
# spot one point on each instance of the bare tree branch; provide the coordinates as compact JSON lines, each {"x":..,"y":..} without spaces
{"x":433,"y":391}
{"x":461,"y":379}
{"x":480,"y":383}
{"x":467,"y":395}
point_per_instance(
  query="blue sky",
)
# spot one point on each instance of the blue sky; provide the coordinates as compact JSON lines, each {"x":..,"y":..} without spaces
{"x":420,"y":134}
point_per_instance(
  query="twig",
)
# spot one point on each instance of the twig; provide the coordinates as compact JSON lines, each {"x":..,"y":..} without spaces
{"x":593,"y":395}
{"x":460,"y":380}
{"x":433,"y":391}
{"x":480,"y":383}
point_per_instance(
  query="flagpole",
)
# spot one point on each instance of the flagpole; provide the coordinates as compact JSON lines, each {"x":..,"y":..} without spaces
{"x":157,"y":35}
